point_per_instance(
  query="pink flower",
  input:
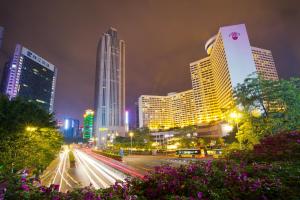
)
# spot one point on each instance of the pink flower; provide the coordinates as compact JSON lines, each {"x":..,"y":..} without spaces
{"x":25,"y":187}
{"x":200,"y":195}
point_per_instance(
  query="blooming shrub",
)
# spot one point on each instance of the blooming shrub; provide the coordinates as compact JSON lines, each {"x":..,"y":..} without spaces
{"x":203,"y":180}
{"x":279,"y":147}
{"x":270,"y":171}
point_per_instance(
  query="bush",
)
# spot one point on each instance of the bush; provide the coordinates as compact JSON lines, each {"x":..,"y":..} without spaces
{"x":110,"y":155}
{"x":71,"y":159}
{"x":279,"y":147}
{"x":204,"y":180}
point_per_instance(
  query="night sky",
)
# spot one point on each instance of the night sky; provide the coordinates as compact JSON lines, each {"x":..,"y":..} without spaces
{"x":162,"y":37}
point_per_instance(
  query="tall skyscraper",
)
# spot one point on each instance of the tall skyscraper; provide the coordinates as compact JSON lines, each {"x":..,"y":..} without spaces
{"x":230,"y":60}
{"x":30,"y":77}
{"x":88,"y":121}
{"x":110,"y":87}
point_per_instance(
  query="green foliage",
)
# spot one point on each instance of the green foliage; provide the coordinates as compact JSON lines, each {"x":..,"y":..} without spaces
{"x":266,"y":107}
{"x":278,"y":147}
{"x":71,"y":159}
{"x":141,"y":139}
{"x":108,"y":154}
{"x":20,"y":148}
{"x":279,"y":102}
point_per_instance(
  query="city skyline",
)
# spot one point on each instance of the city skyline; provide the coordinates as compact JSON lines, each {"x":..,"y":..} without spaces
{"x":160,"y":49}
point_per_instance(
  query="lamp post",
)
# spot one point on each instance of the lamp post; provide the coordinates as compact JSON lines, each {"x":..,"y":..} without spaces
{"x":131,"y":135}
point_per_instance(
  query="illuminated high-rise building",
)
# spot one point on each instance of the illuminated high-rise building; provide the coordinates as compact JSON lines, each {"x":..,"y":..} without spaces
{"x":110,"y":87}
{"x":264,"y":63}
{"x":154,"y":112}
{"x":70,"y":129}
{"x":30,"y":77}
{"x":231,"y":59}
{"x":182,"y":108}
{"x":232,"y":62}
{"x":204,"y":90}
{"x":164,"y":112}
{"x":88,"y":121}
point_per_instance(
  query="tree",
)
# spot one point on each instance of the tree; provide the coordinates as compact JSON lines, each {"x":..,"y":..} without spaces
{"x":267,"y":107}
{"x":28,"y":136}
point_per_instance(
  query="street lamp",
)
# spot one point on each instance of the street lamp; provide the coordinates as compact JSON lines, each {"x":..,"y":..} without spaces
{"x":31,"y":129}
{"x":236,"y":116}
{"x":131,"y":135}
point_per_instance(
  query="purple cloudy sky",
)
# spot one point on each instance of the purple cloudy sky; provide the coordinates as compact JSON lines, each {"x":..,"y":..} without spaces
{"x":162,"y":37}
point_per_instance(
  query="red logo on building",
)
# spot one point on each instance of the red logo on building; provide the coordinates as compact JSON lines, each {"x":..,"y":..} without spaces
{"x":234,"y":35}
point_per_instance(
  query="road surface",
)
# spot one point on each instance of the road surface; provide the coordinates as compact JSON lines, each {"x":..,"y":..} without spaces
{"x":88,"y":171}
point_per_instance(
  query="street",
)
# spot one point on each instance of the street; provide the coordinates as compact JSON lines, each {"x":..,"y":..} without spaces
{"x":87,"y":171}
{"x":100,"y":171}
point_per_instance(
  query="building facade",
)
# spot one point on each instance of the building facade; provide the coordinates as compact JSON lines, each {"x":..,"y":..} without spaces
{"x":264,"y":63}
{"x":110,"y":87}
{"x":70,"y":129}
{"x":164,"y":112}
{"x":154,"y":112}
{"x":204,"y":90}
{"x":182,"y":108}
{"x":88,"y":123}
{"x":30,"y":77}
{"x":230,"y":60}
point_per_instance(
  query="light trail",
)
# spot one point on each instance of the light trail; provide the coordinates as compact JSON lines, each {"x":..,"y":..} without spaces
{"x":115,"y":164}
{"x":86,"y":172}
{"x":61,"y":169}
{"x":107,"y":172}
{"x":61,"y":156}
{"x":105,"y":185}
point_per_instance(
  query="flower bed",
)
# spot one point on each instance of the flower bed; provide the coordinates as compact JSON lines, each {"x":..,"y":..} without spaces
{"x":203,"y":180}
{"x":110,"y":155}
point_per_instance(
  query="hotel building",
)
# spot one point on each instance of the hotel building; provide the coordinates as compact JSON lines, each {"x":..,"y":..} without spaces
{"x":182,"y":108}
{"x":110,"y":87}
{"x":154,"y":112}
{"x":264,"y":63}
{"x":205,"y":97}
{"x":230,"y":60}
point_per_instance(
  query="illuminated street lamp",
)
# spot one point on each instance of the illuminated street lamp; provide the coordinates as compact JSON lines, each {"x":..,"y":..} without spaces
{"x":31,"y":129}
{"x":236,"y":116}
{"x":131,"y":135}
{"x":227,"y":128}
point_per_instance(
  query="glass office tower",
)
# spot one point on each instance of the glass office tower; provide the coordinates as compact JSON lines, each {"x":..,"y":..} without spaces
{"x":30,"y":77}
{"x":110,"y":87}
